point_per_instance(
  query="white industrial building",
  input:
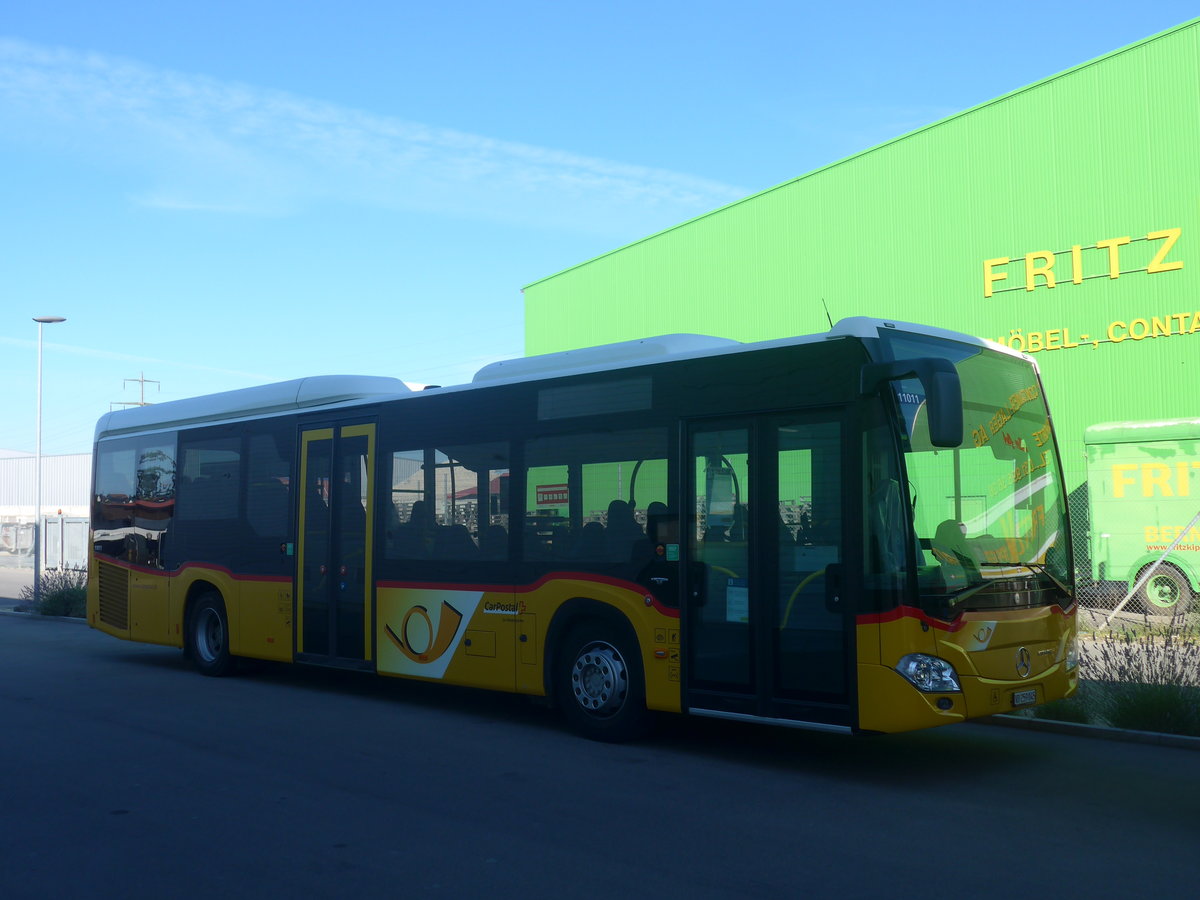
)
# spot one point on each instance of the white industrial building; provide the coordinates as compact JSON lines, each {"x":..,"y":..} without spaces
{"x":66,"y":489}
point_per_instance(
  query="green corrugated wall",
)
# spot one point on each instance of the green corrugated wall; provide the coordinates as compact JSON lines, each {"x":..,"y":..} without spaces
{"x":1109,"y":149}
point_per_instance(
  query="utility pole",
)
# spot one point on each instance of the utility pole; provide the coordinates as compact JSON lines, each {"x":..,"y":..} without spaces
{"x":141,"y":380}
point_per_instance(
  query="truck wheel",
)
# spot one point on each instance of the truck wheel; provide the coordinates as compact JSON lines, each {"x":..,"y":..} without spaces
{"x":208,"y":635}
{"x":600,"y":685}
{"x":1167,"y":593}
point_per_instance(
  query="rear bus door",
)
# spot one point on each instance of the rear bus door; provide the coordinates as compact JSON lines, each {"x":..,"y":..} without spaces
{"x":767,"y":631}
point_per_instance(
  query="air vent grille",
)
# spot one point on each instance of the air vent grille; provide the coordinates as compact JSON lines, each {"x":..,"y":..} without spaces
{"x":114,"y":595}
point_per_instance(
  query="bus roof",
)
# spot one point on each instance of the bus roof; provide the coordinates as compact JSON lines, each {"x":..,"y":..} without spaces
{"x":260,"y":400}
{"x":343,"y":390}
{"x":1139,"y":432}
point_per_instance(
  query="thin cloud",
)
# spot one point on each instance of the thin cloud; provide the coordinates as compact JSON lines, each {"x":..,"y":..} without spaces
{"x":72,"y":350}
{"x":216,"y":146}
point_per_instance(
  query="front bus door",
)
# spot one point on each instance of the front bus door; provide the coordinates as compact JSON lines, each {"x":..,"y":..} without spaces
{"x":333,"y":559}
{"x":767,"y":631}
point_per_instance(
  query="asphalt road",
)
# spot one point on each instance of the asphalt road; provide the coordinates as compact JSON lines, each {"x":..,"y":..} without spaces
{"x":126,"y":774}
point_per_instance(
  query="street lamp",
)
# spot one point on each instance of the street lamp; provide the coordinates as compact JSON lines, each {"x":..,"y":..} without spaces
{"x":37,"y":470}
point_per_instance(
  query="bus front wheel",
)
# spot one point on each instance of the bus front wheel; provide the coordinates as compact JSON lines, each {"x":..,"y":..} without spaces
{"x":601,"y":688}
{"x":1166,"y":593}
{"x":208,"y":635}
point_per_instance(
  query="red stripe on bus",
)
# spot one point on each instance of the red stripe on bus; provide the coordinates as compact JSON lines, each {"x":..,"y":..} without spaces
{"x":526,"y":588}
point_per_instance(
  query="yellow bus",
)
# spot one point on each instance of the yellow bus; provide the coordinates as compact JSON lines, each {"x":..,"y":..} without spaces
{"x":863,"y":530}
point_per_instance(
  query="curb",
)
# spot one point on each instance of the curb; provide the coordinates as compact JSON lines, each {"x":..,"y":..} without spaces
{"x":25,"y":615}
{"x":1101,"y":732}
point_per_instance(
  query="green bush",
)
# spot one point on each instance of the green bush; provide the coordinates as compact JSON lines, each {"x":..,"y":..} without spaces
{"x":1139,"y":678}
{"x":1073,"y":709}
{"x":1165,"y":708}
{"x":1170,"y":657}
{"x":64,"y":593}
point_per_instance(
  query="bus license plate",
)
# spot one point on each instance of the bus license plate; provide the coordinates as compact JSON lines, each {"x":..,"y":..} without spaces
{"x":1024,"y":698}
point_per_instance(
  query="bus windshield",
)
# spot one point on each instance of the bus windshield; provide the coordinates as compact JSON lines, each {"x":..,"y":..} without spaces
{"x":989,"y":514}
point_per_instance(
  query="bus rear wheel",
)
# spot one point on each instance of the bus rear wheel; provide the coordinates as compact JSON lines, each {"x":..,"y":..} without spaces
{"x":600,"y":685}
{"x":1166,"y":593}
{"x":208,"y":635}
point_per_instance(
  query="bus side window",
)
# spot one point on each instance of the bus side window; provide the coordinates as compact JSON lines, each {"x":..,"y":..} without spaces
{"x":448,"y":504}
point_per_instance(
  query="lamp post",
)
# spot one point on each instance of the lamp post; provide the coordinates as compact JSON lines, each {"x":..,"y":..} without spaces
{"x":37,"y":469}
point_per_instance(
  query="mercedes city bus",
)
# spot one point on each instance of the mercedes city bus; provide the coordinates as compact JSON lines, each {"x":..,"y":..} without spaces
{"x":863,"y":530}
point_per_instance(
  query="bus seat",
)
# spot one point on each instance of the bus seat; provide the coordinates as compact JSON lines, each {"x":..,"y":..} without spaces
{"x":454,"y":542}
{"x":590,"y":543}
{"x":493,"y":542}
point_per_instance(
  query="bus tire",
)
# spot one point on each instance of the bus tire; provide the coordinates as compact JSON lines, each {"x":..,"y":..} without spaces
{"x":600,"y":685}
{"x":208,"y":635}
{"x":1166,"y":593}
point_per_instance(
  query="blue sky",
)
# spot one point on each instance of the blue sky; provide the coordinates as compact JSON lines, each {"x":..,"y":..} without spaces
{"x":224,"y":194}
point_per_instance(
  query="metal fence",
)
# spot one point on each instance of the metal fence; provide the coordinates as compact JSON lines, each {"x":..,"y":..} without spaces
{"x":64,"y":541}
{"x":1155,"y":591}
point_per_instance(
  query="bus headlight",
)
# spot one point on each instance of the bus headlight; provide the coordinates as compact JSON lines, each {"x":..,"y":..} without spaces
{"x":1073,"y":653}
{"x":929,"y":673}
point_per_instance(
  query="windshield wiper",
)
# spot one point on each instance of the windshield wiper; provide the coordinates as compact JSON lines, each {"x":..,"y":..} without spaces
{"x":961,"y":593}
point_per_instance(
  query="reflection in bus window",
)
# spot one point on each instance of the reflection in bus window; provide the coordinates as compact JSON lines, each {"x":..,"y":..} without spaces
{"x":591,"y":497}
{"x":134,"y":500}
{"x":448,"y":503}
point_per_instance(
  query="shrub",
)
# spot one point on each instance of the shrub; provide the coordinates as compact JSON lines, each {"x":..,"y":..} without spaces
{"x":1145,"y":679}
{"x":1073,"y":709}
{"x":63,"y":593}
{"x":1167,"y":657}
{"x":1166,"y":708}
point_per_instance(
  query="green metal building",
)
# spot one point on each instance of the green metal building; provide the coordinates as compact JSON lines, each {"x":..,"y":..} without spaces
{"x":1061,"y":218}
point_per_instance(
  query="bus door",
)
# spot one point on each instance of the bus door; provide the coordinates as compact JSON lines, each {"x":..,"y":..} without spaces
{"x":333,"y":560}
{"x":767,"y":634}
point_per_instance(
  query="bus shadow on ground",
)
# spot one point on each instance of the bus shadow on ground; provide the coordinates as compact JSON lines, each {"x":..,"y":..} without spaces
{"x":886,"y":759}
{"x":361,"y":686}
{"x":865,"y":759}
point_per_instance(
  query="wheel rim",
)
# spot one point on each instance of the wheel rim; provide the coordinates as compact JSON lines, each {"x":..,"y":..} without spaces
{"x":1163,"y":591}
{"x":210,"y":635}
{"x":600,"y":679}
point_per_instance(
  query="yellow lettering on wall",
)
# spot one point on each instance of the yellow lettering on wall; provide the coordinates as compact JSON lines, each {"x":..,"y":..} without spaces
{"x":1170,"y":235}
{"x":1156,"y":475}
{"x":1032,"y":271}
{"x":1121,"y":479}
{"x":990,"y":275}
{"x":1041,"y":262}
{"x":1151,"y":534}
{"x":1182,"y":487}
{"x":1114,"y":254}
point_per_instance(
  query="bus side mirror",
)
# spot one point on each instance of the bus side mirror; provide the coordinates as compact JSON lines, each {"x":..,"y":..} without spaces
{"x":943,"y":393}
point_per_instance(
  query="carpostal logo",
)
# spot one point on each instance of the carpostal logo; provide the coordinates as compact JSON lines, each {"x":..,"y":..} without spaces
{"x":504,"y":608}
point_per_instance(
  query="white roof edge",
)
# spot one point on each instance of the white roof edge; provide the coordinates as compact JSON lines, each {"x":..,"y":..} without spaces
{"x":329,"y":390}
{"x":626,"y":354}
{"x":284,"y":396}
{"x":868,"y":327}
{"x":606,"y":356}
